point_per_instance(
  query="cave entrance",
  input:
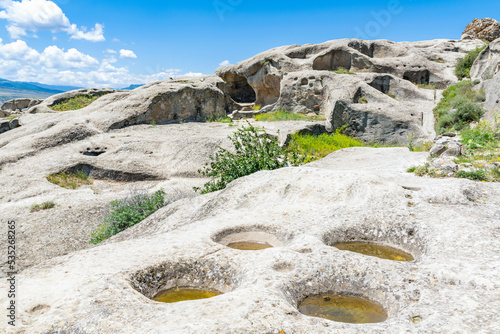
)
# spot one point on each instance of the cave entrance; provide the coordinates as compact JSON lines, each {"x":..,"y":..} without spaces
{"x":382,"y":83}
{"x":333,"y":60}
{"x":238,"y":88}
{"x":418,"y":77}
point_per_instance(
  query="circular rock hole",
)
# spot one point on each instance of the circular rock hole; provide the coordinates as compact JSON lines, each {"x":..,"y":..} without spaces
{"x":343,"y":308}
{"x":397,"y":243}
{"x":176,"y":282}
{"x":250,"y":238}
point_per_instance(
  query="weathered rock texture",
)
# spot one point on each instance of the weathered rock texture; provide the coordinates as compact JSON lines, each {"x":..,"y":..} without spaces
{"x":300,"y":79}
{"x":449,"y":225}
{"x":487,"y":69}
{"x":17,"y":106}
{"x":486,"y":29}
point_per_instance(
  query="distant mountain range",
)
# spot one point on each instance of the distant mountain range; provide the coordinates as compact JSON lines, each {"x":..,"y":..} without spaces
{"x":132,"y":87}
{"x":17,"y":89}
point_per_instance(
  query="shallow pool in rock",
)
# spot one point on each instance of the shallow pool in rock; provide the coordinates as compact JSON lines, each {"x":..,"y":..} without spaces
{"x":383,"y":252}
{"x":343,"y":308}
{"x":249,"y":245}
{"x":182,"y":294}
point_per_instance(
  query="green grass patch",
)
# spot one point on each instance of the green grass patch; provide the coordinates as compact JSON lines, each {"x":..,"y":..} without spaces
{"x":427,"y":86}
{"x":11,"y":117}
{"x":43,"y":206}
{"x":343,"y":70}
{"x":477,"y":175}
{"x":70,"y":180}
{"x":464,"y":65}
{"x":481,"y":152}
{"x":317,"y":147}
{"x":283,"y":115}
{"x":128,"y":212}
{"x":75,"y":103}
{"x":213,"y":119}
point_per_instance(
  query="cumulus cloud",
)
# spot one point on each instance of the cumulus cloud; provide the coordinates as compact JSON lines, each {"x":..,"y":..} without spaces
{"x":94,"y":35}
{"x":225,"y":63}
{"x":56,"y":66}
{"x":39,"y":15}
{"x":127,"y":54}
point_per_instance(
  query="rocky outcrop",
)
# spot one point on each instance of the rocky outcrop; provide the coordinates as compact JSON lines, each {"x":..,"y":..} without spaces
{"x":8,"y":124}
{"x":486,"y":68}
{"x":45,"y":105}
{"x":487,"y":64}
{"x":301,"y":79}
{"x":17,"y":106}
{"x":486,"y":29}
{"x":450,"y":226}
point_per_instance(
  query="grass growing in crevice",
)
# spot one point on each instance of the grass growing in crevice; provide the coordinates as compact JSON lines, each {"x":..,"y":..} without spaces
{"x":213,"y":119}
{"x":481,"y":157}
{"x":283,"y":115}
{"x":75,"y":103}
{"x":458,"y":107}
{"x":70,"y":180}
{"x":44,"y":206}
{"x":464,"y":65}
{"x":317,"y":147}
{"x":128,"y":212}
{"x":343,"y":70}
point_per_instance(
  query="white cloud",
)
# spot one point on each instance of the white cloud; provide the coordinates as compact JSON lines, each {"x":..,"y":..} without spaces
{"x":127,"y":54}
{"x":109,"y":51}
{"x":94,"y":35}
{"x":57,"y":66}
{"x":225,"y":63}
{"x":38,"y":15}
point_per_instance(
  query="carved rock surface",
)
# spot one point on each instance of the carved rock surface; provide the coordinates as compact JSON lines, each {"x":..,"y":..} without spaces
{"x":299,"y":78}
{"x":450,"y":226}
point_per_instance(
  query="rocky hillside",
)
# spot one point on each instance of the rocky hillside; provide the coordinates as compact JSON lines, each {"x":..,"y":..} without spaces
{"x":59,"y":170}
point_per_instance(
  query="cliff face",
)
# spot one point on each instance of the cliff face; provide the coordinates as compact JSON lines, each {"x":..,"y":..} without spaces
{"x":332,"y":79}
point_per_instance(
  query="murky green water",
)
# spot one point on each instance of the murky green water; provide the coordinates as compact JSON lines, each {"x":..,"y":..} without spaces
{"x":249,"y":245}
{"x":383,"y":252}
{"x":343,"y":308}
{"x":182,"y":294}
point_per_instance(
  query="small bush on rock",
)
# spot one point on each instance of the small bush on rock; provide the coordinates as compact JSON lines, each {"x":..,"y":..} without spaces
{"x":462,"y":69}
{"x":254,"y":150}
{"x":458,"y":107}
{"x":128,"y":212}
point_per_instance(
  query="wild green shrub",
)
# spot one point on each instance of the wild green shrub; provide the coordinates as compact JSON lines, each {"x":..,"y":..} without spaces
{"x":458,"y":107}
{"x":128,"y":212}
{"x":477,"y":175}
{"x":466,"y":111}
{"x":254,"y":150}
{"x":462,"y":69}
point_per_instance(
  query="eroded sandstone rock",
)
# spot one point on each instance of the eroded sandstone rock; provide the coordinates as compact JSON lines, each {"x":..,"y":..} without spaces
{"x":487,"y":29}
{"x":448,"y":225}
{"x":300,"y":79}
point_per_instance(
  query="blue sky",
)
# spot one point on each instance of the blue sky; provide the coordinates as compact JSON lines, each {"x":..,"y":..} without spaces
{"x":117,"y":43}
